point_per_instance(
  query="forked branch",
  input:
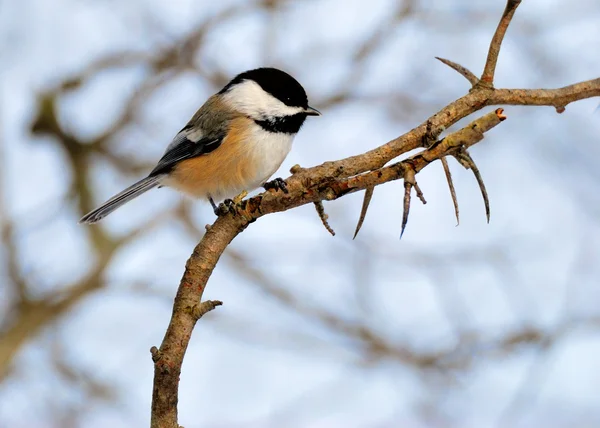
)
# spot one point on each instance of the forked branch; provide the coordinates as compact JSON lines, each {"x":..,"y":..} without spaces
{"x":487,"y":78}
{"x":333,"y":180}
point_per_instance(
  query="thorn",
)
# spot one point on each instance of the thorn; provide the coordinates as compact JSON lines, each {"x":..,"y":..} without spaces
{"x":409,"y":183}
{"x":465,"y":159}
{"x":484,"y":194}
{"x":451,"y":187}
{"x":363,"y":211}
{"x":463,"y":71}
{"x":407,"y":187}
{"x":323,"y":216}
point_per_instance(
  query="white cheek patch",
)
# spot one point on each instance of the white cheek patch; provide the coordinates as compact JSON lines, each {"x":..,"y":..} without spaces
{"x":250,"y":99}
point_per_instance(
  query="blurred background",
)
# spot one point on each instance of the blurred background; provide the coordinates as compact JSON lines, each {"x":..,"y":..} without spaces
{"x":472,"y":326}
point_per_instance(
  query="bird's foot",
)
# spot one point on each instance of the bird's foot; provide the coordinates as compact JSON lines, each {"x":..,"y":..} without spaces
{"x":277,"y":184}
{"x":228,"y":205}
{"x":225,"y":207}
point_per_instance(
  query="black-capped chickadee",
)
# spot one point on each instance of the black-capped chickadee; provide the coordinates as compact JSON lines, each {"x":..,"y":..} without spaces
{"x":233,"y":143}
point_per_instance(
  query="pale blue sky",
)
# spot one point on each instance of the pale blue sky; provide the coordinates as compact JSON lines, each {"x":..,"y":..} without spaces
{"x":254,"y":362}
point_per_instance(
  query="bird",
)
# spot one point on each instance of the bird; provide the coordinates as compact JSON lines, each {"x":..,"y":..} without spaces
{"x":232,"y":145}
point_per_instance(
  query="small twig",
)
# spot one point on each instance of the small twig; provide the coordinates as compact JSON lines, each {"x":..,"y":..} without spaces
{"x":323,"y":216}
{"x":203,"y":308}
{"x":156,"y":356}
{"x":487,"y":78}
{"x":463,"y":71}
{"x":465,"y":159}
{"x":431,"y":135}
{"x":363,"y":211}
{"x":451,"y":187}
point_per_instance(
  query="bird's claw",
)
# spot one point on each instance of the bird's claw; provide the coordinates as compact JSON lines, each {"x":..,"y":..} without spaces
{"x":276,"y":184}
{"x":228,"y":205}
{"x":225,"y":207}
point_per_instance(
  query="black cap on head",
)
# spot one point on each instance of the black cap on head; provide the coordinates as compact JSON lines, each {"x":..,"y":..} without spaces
{"x":277,"y":83}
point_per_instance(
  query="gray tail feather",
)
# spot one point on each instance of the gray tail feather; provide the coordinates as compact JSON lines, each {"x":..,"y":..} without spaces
{"x":122,"y":198}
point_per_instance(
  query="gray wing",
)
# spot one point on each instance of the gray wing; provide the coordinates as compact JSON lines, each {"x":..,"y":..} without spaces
{"x":203,"y":134}
{"x":187,"y":144}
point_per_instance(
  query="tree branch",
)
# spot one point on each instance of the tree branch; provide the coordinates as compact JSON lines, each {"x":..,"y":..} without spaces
{"x":169,"y":358}
{"x":487,"y":78}
{"x":558,"y":98}
{"x":332,"y":180}
{"x":312,"y":185}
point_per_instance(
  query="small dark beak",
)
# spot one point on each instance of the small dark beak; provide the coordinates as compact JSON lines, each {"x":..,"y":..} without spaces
{"x":312,"y":112}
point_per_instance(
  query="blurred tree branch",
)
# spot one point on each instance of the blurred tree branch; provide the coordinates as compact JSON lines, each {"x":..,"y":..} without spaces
{"x":330,"y":181}
{"x":181,"y":56}
{"x":28,"y":316}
